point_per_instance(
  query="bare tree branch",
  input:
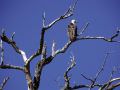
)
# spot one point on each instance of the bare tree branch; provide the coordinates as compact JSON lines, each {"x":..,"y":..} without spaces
{"x":28,"y":76}
{"x":114,"y":86}
{"x":87,"y":78}
{"x":111,"y":76}
{"x":114,"y":79}
{"x":102,"y":67}
{"x":116,"y":34}
{"x":37,"y":75}
{"x":2,"y":53}
{"x":42,"y":63}
{"x":26,"y":68}
{"x":9,"y":41}
{"x":44,"y":51}
{"x":99,"y":71}
{"x":4,"y":83}
{"x":8,"y":66}
{"x":34,"y":84}
{"x":108,"y":85}
{"x":43,"y":16}
{"x":53,"y":48}
{"x":66,"y":46}
{"x":66,"y":77}
{"x":13,"y":44}
{"x":110,"y":81}
{"x":62,"y":50}
{"x":67,"y":14}
{"x":93,"y":81}
{"x":33,"y":56}
{"x":79,"y":86}
{"x":102,"y":38}
{"x":42,"y":40}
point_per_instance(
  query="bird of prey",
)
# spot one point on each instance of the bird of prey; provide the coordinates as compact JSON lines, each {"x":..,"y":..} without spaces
{"x":72,"y":30}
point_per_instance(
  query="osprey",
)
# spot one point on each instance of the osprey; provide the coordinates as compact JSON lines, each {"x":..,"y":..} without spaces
{"x":72,"y":30}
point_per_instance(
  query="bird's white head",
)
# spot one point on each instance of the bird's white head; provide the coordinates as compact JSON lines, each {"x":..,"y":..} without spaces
{"x":73,"y":21}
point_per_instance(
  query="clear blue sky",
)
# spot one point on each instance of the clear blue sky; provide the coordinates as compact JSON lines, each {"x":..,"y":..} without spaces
{"x":24,"y":17}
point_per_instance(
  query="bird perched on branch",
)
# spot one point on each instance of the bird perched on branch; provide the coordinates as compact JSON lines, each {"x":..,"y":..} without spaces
{"x":72,"y":30}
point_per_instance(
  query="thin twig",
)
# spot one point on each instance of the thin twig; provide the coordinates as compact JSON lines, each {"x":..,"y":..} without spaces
{"x":93,"y":81}
{"x":43,"y":16}
{"x":4,"y":83}
{"x":84,"y":28}
{"x":98,"y":38}
{"x":63,"y":49}
{"x":102,"y":67}
{"x":13,"y":44}
{"x":42,"y":63}
{"x":114,"y":86}
{"x":86,"y":77}
{"x":53,"y":48}
{"x":66,"y":77}
{"x":111,"y":76}
{"x":67,"y":14}
{"x":2,"y":53}
{"x":111,"y":39}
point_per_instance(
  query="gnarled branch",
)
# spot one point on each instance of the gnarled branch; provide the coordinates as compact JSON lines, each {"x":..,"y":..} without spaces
{"x":67,"y":14}
{"x":13,"y":44}
{"x":40,"y":66}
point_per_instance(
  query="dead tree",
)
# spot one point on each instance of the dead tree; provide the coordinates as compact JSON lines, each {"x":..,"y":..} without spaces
{"x":34,"y":83}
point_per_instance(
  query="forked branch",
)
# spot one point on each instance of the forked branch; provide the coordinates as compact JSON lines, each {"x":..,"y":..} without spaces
{"x":43,"y":62}
{"x":67,"y":14}
{"x":66,"y":77}
{"x":111,"y":39}
{"x":13,"y":44}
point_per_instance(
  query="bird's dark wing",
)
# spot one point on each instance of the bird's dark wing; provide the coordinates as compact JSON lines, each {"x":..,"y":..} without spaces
{"x":69,"y":29}
{"x":76,"y":34}
{"x":73,"y":28}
